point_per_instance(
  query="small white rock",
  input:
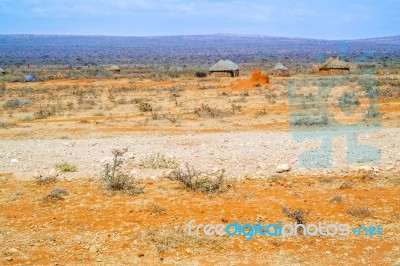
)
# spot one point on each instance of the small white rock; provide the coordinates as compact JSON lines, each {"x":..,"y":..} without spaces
{"x":365,"y":169}
{"x":53,"y":173}
{"x":14,"y":160}
{"x":93,"y":249}
{"x":282,"y":168}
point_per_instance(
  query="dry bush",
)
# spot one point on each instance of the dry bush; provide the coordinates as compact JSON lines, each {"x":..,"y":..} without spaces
{"x":5,"y":125}
{"x":359,"y":211}
{"x":56,"y":194}
{"x":206,"y":111}
{"x":158,"y":209}
{"x":196,"y":181}
{"x":346,"y":184}
{"x":337,"y":199}
{"x":298,"y":215}
{"x":16,"y":103}
{"x":156,"y":161}
{"x":46,"y":180}
{"x":45,"y":112}
{"x":168,"y":240}
{"x":145,"y":107}
{"x":114,"y":180}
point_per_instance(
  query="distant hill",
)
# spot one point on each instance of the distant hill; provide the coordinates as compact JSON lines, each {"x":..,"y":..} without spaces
{"x":194,"y":50}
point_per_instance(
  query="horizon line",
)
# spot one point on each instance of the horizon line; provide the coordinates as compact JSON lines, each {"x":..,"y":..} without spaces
{"x":190,"y":35}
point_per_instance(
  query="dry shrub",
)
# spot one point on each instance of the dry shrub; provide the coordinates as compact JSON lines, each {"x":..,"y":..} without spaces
{"x":206,"y":111}
{"x":56,"y":194}
{"x":167,"y":240}
{"x":114,"y":180}
{"x":195,"y":181}
{"x":359,"y":211}
{"x":337,"y":199}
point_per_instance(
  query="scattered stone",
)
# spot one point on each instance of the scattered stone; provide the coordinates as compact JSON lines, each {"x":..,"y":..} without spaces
{"x":365,"y":169}
{"x":53,"y":173}
{"x":390,"y":168}
{"x":8,"y":258}
{"x":14,"y":160}
{"x":282,"y":168}
{"x":37,"y":175}
{"x":262,"y":166}
{"x":94,"y":249}
{"x":188,"y":251}
{"x":13,"y":250}
{"x":131,"y":156}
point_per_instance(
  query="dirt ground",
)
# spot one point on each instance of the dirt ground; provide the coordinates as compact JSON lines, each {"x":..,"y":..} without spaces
{"x":235,"y":124}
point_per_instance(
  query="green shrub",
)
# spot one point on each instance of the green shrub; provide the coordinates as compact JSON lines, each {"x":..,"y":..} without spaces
{"x":66,"y":167}
{"x":145,"y":107}
{"x":156,"y":161}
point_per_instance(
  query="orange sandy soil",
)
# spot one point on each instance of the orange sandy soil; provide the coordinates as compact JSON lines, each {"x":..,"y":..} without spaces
{"x":91,"y":226}
{"x":108,"y":107}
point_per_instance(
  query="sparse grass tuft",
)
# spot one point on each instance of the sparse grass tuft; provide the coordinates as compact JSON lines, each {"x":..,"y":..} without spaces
{"x":337,"y":199}
{"x":16,"y":103}
{"x":114,"y":180}
{"x":145,"y":107}
{"x":5,"y":125}
{"x":310,"y":121}
{"x":298,"y":215}
{"x":57,"y":194}
{"x":66,"y":167}
{"x":206,"y":111}
{"x":44,"y":112}
{"x":46,"y":180}
{"x":359,"y":211}
{"x":156,"y":161}
{"x":158,"y":209}
{"x":195,"y":181}
{"x":167,"y":240}
{"x":346,"y":184}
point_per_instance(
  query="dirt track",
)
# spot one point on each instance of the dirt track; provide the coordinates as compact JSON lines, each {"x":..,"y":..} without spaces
{"x":240,"y":154}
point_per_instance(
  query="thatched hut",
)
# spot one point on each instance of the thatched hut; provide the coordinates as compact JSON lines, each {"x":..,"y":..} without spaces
{"x":281,"y":70}
{"x":224,"y":68}
{"x":115,"y":69}
{"x":334,"y":66}
{"x":2,"y":72}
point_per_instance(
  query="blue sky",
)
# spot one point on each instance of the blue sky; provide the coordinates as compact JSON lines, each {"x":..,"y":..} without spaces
{"x":312,"y":19}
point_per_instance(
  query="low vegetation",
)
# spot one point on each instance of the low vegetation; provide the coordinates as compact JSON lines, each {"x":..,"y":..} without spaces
{"x":114,"y":180}
{"x":44,"y":180}
{"x":66,"y":167}
{"x":308,"y":121}
{"x":156,"y":161}
{"x":196,"y":181}
{"x":359,"y":211}
{"x":206,"y":111}
{"x":56,"y":194}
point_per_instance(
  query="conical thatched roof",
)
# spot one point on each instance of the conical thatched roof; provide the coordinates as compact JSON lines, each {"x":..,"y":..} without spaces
{"x":224,"y":65}
{"x":280,"y":66}
{"x":114,"y":68}
{"x":335,"y":64}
